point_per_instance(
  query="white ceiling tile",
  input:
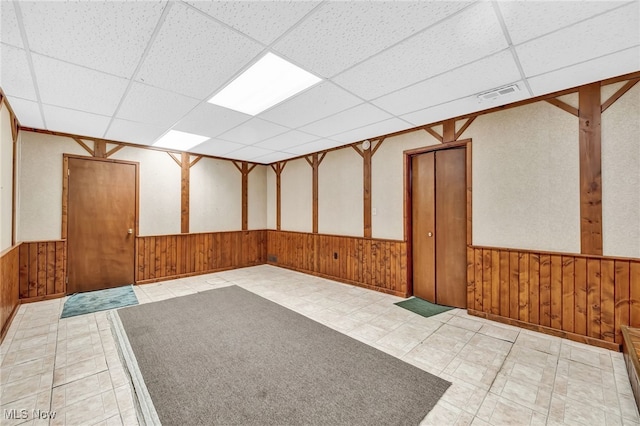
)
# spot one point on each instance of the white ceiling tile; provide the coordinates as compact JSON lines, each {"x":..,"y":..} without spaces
{"x":341,"y":34}
{"x":286,"y":140}
{"x":9,"y":30}
{"x":249,"y":153}
{"x":529,"y":19}
{"x":194,"y":55}
{"x":273,"y":157}
{"x":216,"y":147}
{"x":315,"y":146}
{"x":619,"y":63}
{"x":353,"y":118}
{"x":485,"y":74}
{"x":151,"y":105}
{"x":466,"y":37}
{"x":372,"y":130}
{"x":28,"y":112}
{"x":604,"y":34}
{"x":210,"y":120}
{"x":318,"y":102}
{"x":462,"y":106}
{"x":130,"y":131}
{"x":76,"y":87}
{"x":76,"y":122}
{"x":252,"y":131}
{"x":15,"y":74}
{"x":265,"y":21}
{"x":103,"y":35}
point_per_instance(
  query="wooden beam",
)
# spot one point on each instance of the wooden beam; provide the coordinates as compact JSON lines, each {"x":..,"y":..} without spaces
{"x":449,"y":131}
{"x":238,"y":166}
{"x":377,"y":146}
{"x":464,"y":127}
{"x":624,"y":89}
{"x":366,"y":191}
{"x":114,"y":150}
{"x":358,"y":150}
{"x":278,"y":171}
{"x":100,"y":149}
{"x":245,"y":196}
{"x":84,"y":145}
{"x":590,"y":170}
{"x":309,"y":161}
{"x":433,"y":133}
{"x":251,"y":168}
{"x":176,"y":159}
{"x":315,"y":164}
{"x":194,"y":162}
{"x":14,"y":177}
{"x":184,"y":193}
{"x":564,"y":106}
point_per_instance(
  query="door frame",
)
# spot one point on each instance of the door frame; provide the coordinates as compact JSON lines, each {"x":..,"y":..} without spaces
{"x":408,"y":226}
{"x":65,"y":206}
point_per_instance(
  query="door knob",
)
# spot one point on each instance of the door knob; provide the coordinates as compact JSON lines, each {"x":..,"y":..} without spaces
{"x":430,"y":234}
{"x":130,"y":231}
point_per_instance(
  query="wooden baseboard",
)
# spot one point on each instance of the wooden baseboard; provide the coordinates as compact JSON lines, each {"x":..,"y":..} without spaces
{"x":342,"y":280}
{"x":193,"y":274}
{"x":547,"y":330}
{"x":41,"y":298}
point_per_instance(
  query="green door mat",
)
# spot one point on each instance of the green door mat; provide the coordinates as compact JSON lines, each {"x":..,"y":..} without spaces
{"x":422,"y":307}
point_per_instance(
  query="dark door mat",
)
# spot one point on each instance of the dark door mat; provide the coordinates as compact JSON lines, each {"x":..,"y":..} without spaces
{"x":423,"y":307}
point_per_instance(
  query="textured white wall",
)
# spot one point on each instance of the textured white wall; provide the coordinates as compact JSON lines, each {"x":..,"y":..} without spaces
{"x":271,"y":199}
{"x":215,"y":196}
{"x":621,"y":175}
{"x":40,"y":184}
{"x":159,"y":190}
{"x":296,"y":201}
{"x":340,"y":193}
{"x":257,"y":198}
{"x":6,"y":177}
{"x":387,"y":183}
{"x":526,"y":179}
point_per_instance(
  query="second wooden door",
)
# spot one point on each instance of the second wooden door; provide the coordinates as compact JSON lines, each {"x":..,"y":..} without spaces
{"x":438,"y":196}
{"x":101,"y":224}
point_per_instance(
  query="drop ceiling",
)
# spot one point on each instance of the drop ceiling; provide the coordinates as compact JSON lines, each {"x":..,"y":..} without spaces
{"x":132,"y":71}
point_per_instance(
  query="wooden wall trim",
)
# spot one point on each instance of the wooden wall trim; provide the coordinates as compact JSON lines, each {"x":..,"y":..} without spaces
{"x":184,"y":192}
{"x":277,"y":169}
{"x":245,"y":169}
{"x":586,"y":296}
{"x":564,"y":106}
{"x":590,"y":170}
{"x":314,"y":162}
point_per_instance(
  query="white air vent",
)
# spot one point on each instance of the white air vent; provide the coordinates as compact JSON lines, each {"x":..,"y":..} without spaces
{"x":496,"y":93}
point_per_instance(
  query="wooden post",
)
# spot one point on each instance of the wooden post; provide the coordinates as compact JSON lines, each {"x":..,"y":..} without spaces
{"x":184,"y":193}
{"x":314,"y":167}
{"x":100,"y":148}
{"x":366,"y":190}
{"x":277,"y":169}
{"x":449,"y":131}
{"x":245,"y":195}
{"x":590,"y":170}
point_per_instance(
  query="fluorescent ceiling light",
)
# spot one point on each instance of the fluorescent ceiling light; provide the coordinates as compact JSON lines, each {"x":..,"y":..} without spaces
{"x":181,"y":141}
{"x":266,"y":83}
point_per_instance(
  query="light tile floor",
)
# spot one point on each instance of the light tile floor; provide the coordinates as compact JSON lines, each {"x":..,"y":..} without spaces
{"x":500,"y":374}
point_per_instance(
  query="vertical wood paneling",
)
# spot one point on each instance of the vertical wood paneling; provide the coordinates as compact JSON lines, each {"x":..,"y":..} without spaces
{"x":371,"y":263}
{"x":168,"y":256}
{"x":9,"y":291}
{"x":588,"y":296}
{"x":42,"y":269}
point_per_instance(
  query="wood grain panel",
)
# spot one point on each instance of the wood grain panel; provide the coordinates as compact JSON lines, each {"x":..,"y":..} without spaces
{"x":42,"y":270}
{"x":581,"y":297}
{"x":164,"y":257}
{"x":9,"y":293}
{"x":371,"y":263}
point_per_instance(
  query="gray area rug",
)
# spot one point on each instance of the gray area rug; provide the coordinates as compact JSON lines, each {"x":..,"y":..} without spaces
{"x":230,"y":357}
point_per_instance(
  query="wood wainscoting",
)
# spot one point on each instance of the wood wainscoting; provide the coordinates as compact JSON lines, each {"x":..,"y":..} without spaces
{"x":371,"y":263}
{"x":579,"y":297}
{"x":9,"y":287}
{"x":42,"y":270}
{"x":165,"y":257}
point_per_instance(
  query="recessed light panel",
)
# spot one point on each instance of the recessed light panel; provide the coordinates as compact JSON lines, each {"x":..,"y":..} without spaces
{"x":181,"y":141}
{"x":266,"y":83}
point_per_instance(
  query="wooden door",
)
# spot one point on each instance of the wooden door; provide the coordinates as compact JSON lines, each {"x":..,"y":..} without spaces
{"x":438,"y":197}
{"x":101,"y":224}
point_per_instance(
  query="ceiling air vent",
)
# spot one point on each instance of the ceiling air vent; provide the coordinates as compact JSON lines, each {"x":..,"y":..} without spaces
{"x":496,"y":93}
